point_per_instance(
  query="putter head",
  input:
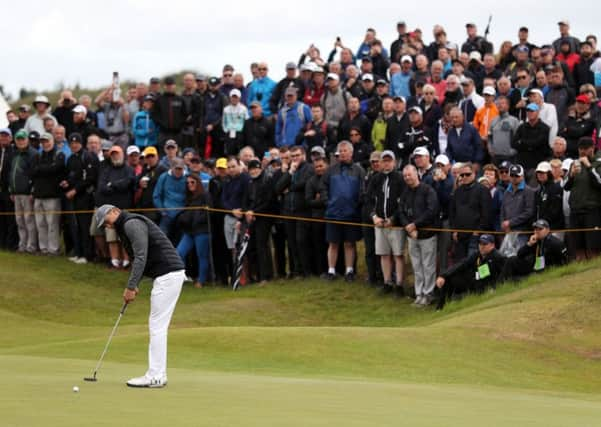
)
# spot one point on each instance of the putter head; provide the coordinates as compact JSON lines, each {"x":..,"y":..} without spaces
{"x":90,"y":379}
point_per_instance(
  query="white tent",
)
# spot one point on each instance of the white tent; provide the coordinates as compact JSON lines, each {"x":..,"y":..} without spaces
{"x":4,"y":107}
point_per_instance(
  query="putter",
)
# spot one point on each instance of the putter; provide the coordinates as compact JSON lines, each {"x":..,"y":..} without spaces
{"x":106,"y":347}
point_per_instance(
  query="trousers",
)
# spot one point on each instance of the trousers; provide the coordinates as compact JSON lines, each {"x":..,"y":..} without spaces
{"x":47,"y":221}
{"x":200,"y":242}
{"x":423,"y":260}
{"x":28,"y":236}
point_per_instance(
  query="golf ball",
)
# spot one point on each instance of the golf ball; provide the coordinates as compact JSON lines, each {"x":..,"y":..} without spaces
{"x":75,"y":389}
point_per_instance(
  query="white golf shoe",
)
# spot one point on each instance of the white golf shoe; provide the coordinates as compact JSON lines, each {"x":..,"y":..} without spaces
{"x":148,"y":382}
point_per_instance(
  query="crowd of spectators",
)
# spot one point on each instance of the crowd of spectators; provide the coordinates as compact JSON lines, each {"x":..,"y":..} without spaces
{"x":469,"y":163}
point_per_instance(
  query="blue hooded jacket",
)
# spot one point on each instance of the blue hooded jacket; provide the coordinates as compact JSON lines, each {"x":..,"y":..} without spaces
{"x":290,"y":121}
{"x":145,"y":130}
{"x":261,"y":90}
{"x":341,"y":187}
{"x":170,"y":192}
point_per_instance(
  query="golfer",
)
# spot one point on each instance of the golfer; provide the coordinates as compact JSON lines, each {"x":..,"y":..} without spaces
{"x":152,"y":255}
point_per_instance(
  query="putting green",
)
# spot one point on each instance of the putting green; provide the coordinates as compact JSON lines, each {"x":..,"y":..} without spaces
{"x":38,"y":392}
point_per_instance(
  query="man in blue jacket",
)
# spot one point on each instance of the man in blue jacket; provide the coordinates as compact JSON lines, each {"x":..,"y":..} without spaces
{"x":341,"y":189}
{"x":261,"y":89}
{"x":170,"y":192}
{"x":463,"y":144}
{"x":292,"y":118}
{"x":144,"y":128}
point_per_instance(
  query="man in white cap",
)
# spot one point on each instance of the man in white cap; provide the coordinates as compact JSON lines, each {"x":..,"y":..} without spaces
{"x":234,"y":116}
{"x":487,"y":113}
{"x":400,"y":82}
{"x":35,"y":122}
{"x":153,"y":256}
{"x":334,"y":100}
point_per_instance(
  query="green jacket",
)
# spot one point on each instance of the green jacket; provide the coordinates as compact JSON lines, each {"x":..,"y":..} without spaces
{"x":585,"y":188}
{"x":378,"y":133}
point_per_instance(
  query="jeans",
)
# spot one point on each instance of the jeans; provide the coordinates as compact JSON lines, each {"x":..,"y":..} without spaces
{"x":200,"y":242}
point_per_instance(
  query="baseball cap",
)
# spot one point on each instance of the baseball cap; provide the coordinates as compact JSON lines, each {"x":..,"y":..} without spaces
{"x":45,"y":136}
{"x":155,"y":80}
{"x":421,"y":151}
{"x":540,"y":223}
{"x":381,"y":82}
{"x":406,"y":58}
{"x":105,"y":144}
{"x":291,"y":66}
{"x":170,"y":143}
{"x":101,"y":214}
{"x":401,"y":24}
{"x":255,"y":104}
{"x":116,"y":149}
{"x":563,"y":22}
{"x":290,"y":90}
{"x":169,"y":81}
{"x":318,"y":150}
{"x":21,"y":134}
{"x":74,"y":137}
{"x":6,"y":131}
{"x":516,"y":170}
{"x":583,"y":98}
{"x":532,"y":107}
{"x":366,"y":58}
{"x":399,"y":98}
{"x":254,"y":164}
{"x":305,"y":67}
{"x":442,"y":159}
{"x":236,"y":93}
{"x":523,"y":49}
{"x":80,"y":109}
{"x":34,"y":134}
{"x":150,"y":151}
{"x":41,"y":99}
{"x":465,"y":80}
{"x":585,"y":142}
{"x":333,"y":76}
{"x":489,"y":90}
{"x":178,"y":163}
{"x":221,"y":163}
{"x":201,"y":78}
{"x":475,"y":56}
{"x":505,"y":165}
{"x":213,"y":81}
{"x":543,"y":167}
{"x":470,"y":24}
{"x":388,"y":153}
{"x":537,"y":91}
{"x":417,"y":109}
{"x":149,"y":97}
{"x":367,"y":76}
{"x":375,"y":155}
{"x":486,"y":239}
{"x":24,"y":107}
{"x":318,"y":69}
{"x":132,"y":149}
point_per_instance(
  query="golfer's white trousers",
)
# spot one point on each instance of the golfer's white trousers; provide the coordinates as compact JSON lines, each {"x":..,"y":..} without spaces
{"x":163,"y":298}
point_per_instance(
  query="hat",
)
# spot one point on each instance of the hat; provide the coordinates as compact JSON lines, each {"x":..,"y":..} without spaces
{"x":101,"y":214}
{"x":22,"y":134}
{"x":214,"y":81}
{"x":399,"y":98}
{"x":41,"y":99}
{"x":150,"y":151}
{"x":306,"y":67}
{"x":540,"y":223}
{"x":155,"y":80}
{"x":535,"y":90}
{"x":333,"y":76}
{"x":236,"y":93}
{"x":388,"y":153}
{"x":381,"y":82}
{"x":149,"y":97}
{"x":564,"y":22}
{"x":132,"y":149}
{"x":523,"y":49}
{"x":178,"y":163}
{"x":475,"y":56}
{"x":406,"y":58}
{"x":489,"y":90}
{"x":367,"y":76}
{"x":188,"y":150}
{"x":516,"y":170}
{"x":543,"y":167}
{"x":170,"y":143}
{"x":105,"y":145}
{"x":585,"y":142}
{"x":567,"y":164}
{"x":366,"y":58}
{"x":115,"y":149}
{"x":45,"y":136}
{"x":442,"y":159}
{"x":318,"y":69}
{"x":532,"y":107}
{"x":24,"y":107}
{"x":318,"y":150}
{"x":255,"y":104}
{"x":401,"y":24}
{"x":417,"y":109}
{"x":201,"y":78}
{"x":169,"y":81}
{"x":34,"y":134}
{"x":583,"y":98}
{"x":254,"y":164}
{"x":291,"y":90}
{"x":483,"y":179}
{"x":466,"y":80}
{"x":375,"y":155}
{"x":470,"y":24}
{"x":221,"y":163}
{"x":505,"y":165}
{"x":421,"y":151}
{"x":80,"y":109}
{"x":6,"y":131}
{"x":291,"y":66}
{"x":486,"y":239}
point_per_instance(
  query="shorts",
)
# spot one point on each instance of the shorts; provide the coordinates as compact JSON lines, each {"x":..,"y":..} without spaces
{"x":390,"y":240}
{"x":338,"y":233}
{"x":586,"y":239}
{"x":229,"y":231}
{"x":110,"y":234}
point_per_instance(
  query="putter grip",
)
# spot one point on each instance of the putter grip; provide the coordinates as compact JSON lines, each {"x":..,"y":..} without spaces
{"x":123,"y":308}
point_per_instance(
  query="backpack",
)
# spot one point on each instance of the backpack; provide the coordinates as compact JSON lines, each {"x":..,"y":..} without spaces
{"x":299,"y":110}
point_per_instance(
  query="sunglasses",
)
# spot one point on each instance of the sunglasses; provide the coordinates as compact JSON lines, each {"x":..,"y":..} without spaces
{"x":464,"y":175}
{"x":522,"y":77}
{"x":503,"y":171}
{"x":262,"y":69}
{"x":191,"y":182}
{"x":514,"y":175}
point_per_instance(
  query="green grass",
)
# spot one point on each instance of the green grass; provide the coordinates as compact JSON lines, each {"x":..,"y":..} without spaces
{"x":301,"y":353}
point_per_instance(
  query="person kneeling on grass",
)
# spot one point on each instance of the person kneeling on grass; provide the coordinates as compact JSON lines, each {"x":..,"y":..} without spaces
{"x":476,"y":272}
{"x":152,"y":255}
{"x":542,"y":250}
{"x":194,"y":224}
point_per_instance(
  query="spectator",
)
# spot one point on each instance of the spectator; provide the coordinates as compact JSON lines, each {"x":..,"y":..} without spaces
{"x":8,"y":227}
{"x":397,"y":45}
{"x":171,"y":153}
{"x":379,"y":128}
{"x":47,"y":171}
{"x":361,"y":149}
{"x":168,"y":195}
{"x":400,"y":82}
{"x":258,"y":131}
{"x":560,"y":95}
{"x":169,"y":113}
{"x":293,"y":117}
{"x":547,"y":113}
{"x":396,"y":129}
{"x":317,"y":133}
{"x":419,"y":211}
{"x":116,"y":117}
{"x":417,"y":135}
{"x":582,"y":69}
{"x":234,"y":116}
{"x":35,"y":122}
{"x":475,"y":42}
{"x":548,"y":197}
{"x":63,"y":112}
{"x":564,"y":36}
{"x":227,"y":80}
{"x":334,"y":100}
{"x":496,"y":190}
{"x":579,"y":123}
{"x":500,"y":133}
{"x":80,"y":123}
{"x":20,"y":188}
{"x":486,"y":114}
{"x":471,"y":101}
{"x":194,"y":223}
{"x":342,"y":191}
{"x":232,"y":195}
{"x":463,"y":142}
{"x":214,"y":105}
{"x":278,"y":98}
{"x":23,"y":115}
{"x":261,"y":89}
{"x":531,"y":140}
{"x":151,"y":171}
{"x":145,"y":129}
{"x":60,"y":141}
{"x":518,"y":209}
{"x":133,"y":159}
{"x":315,"y":90}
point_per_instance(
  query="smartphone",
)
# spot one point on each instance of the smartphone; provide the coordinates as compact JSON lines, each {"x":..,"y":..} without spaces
{"x":338,"y":39}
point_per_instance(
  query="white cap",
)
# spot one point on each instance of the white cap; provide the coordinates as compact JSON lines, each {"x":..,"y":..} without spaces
{"x":80,"y":109}
{"x":333,"y":76}
{"x":567,"y":164}
{"x":367,"y":76}
{"x":421,"y":151}
{"x":465,"y":79}
{"x":475,"y":55}
{"x":235,"y":92}
{"x":318,"y":69}
{"x":41,"y":98}
{"x":537,"y":91}
{"x":564,"y":22}
{"x":543,"y":167}
{"x":442,"y":159}
{"x":417,"y":110}
{"x":132,"y":149}
{"x":406,"y":58}
{"x":489,"y":90}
